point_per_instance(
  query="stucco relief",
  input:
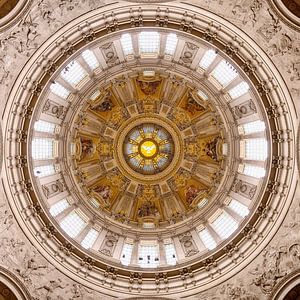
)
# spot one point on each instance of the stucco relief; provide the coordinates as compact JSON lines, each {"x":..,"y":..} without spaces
{"x":42,"y":280}
{"x":283,"y":255}
{"x":241,"y":10}
{"x":42,"y":20}
{"x":230,"y":291}
{"x":258,"y":20}
{"x":273,"y":265}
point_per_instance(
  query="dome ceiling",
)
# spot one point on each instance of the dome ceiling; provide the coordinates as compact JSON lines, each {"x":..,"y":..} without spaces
{"x":145,"y":160}
{"x":149,"y":151}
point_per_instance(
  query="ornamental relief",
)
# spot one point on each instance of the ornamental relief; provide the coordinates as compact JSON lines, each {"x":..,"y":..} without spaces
{"x":54,"y":188}
{"x":244,"y":109}
{"x":243,"y":188}
{"x":188,"y":53}
{"x":109,"y":244}
{"x":261,"y":279}
{"x":54,"y":109}
{"x":110,"y":54}
{"x":270,"y":28}
{"x":41,"y":279}
{"x":258,"y":19}
{"x":282,"y":256}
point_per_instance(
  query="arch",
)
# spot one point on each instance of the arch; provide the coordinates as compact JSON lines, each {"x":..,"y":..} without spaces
{"x":287,"y":288}
{"x":15,"y":288}
{"x":14,"y":13}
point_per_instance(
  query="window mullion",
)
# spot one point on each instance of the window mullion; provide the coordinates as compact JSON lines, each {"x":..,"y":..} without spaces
{"x":100,"y":58}
{"x":118,"y":47}
{"x":162,"y":46}
{"x":99,"y":240}
{"x":118,"y":249}
{"x":196,"y":59}
{"x":162,"y":253}
{"x":64,"y":213}
{"x":198,"y":241}
{"x":65,"y":84}
{"x":80,"y":237}
{"x":213,"y":64}
{"x":233,"y":214}
{"x":135,"y":44}
{"x":178,"y":248}
{"x":179,"y":48}
{"x":232,"y":84}
{"x":135,"y":253}
{"x":85,"y":65}
{"x":213,"y":233}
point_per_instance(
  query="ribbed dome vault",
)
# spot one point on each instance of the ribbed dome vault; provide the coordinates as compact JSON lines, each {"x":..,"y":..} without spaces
{"x":148,"y":149}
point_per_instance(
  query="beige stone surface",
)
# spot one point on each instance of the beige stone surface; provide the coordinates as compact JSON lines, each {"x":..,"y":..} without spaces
{"x":279,"y":41}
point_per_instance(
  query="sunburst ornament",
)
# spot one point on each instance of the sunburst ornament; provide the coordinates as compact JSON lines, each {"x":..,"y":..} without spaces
{"x":148,"y":148}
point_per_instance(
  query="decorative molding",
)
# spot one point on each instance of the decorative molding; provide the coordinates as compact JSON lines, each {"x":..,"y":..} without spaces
{"x":277,"y":204}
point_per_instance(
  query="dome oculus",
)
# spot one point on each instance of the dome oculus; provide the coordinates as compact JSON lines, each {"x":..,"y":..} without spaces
{"x":148,"y":148}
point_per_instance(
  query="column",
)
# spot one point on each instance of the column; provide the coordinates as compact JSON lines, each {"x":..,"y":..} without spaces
{"x":163,"y":40}
{"x":135,"y":44}
{"x":179,"y":251}
{"x":99,"y":240}
{"x":65,"y":84}
{"x":232,"y":214}
{"x":213,"y":233}
{"x":57,"y":198}
{"x":80,"y":237}
{"x":84,"y":65}
{"x":162,"y":254}
{"x":134,"y":256}
{"x":64,"y":213}
{"x":118,"y":248}
{"x":49,"y":178}
{"x":197,"y":240}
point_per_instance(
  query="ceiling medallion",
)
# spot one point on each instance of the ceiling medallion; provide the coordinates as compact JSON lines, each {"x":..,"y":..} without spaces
{"x":148,"y":149}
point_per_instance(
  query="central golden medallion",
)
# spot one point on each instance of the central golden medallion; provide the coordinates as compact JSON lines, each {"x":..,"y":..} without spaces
{"x":148,"y":148}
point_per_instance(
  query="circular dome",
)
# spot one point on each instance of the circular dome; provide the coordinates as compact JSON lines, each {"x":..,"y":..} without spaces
{"x":149,"y":155}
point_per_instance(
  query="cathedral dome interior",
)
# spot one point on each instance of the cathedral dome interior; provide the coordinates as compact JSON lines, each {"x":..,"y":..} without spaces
{"x":149,"y":151}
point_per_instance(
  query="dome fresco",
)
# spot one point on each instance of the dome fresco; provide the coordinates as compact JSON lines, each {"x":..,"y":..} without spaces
{"x":147,"y":157}
{"x":151,"y":152}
